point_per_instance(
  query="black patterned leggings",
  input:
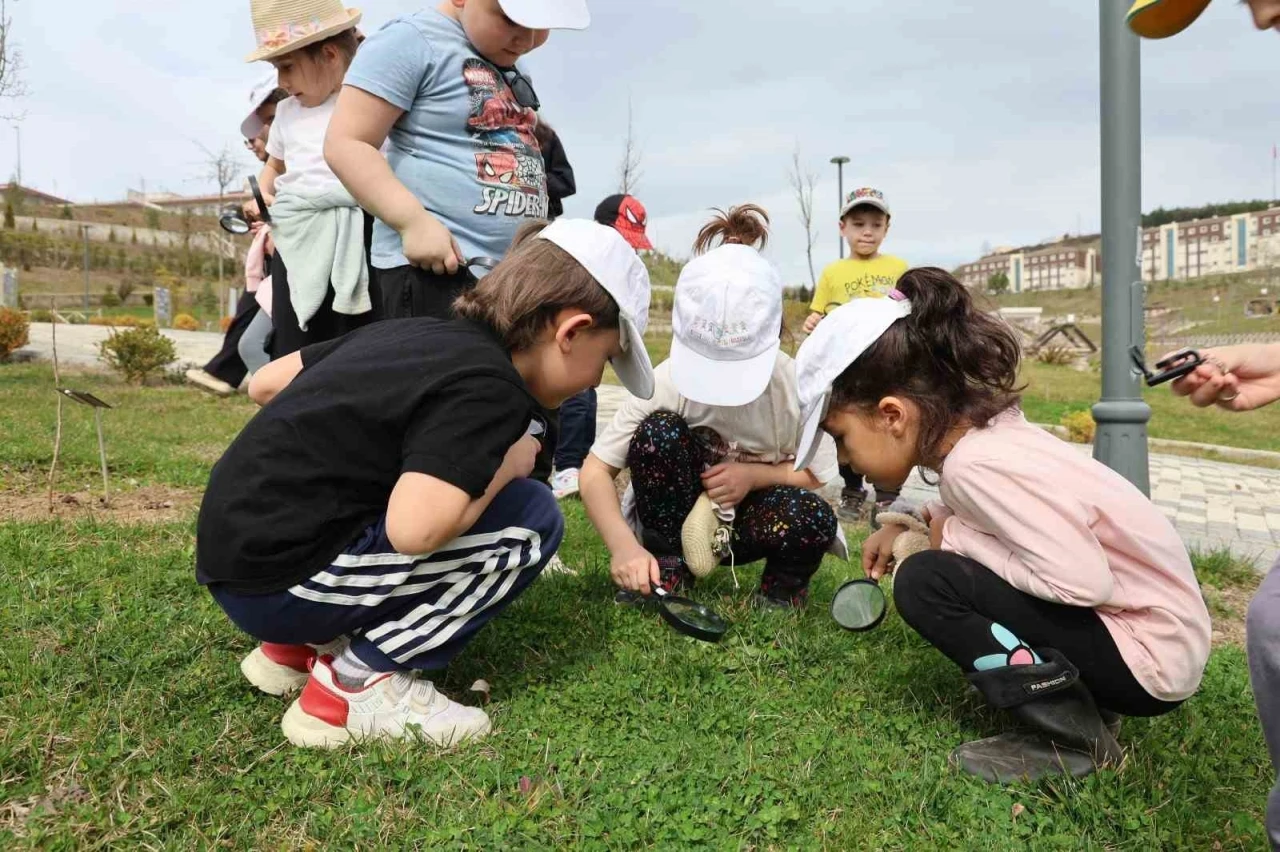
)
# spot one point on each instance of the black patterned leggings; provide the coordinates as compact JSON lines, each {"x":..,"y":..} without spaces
{"x":789,"y":527}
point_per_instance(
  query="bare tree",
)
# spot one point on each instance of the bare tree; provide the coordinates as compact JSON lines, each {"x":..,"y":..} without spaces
{"x":11,"y":85}
{"x":802,"y":182}
{"x":629,"y":168}
{"x":224,"y":167}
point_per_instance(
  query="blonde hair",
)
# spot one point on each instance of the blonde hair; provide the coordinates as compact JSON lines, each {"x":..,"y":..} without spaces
{"x":745,"y":224}
{"x":534,"y":282}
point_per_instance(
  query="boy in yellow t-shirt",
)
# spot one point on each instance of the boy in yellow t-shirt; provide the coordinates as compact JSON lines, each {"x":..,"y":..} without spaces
{"x":864,"y":223}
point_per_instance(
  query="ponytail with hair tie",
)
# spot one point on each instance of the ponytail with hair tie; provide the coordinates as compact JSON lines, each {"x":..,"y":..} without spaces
{"x":744,"y":224}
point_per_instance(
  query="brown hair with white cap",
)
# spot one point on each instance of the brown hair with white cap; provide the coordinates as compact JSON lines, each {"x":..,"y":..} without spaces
{"x":523,"y":294}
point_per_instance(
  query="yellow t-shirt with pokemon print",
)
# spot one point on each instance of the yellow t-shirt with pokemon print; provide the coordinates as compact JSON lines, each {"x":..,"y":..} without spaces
{"x":854,"y":278}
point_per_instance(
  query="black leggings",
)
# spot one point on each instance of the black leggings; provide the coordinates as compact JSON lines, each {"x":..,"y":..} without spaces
{"x":788,"y":527}
{"x":327,"y":324}
{"x":981,"y":622}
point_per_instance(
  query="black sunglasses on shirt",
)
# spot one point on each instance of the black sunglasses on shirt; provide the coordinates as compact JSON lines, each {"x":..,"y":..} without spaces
{"x":521,"y":88}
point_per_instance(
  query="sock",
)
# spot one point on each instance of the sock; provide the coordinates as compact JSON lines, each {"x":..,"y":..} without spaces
{"x":351,"y":670}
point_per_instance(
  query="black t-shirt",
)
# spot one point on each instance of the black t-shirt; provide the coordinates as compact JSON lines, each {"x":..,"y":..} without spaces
{"x":316,"y":466}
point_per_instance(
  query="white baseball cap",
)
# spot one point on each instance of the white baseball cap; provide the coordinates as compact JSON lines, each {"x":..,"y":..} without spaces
{"x":259,"y":95}
{"x":548,"y":14}
{"x":725,"y":322}
{"x":865,"y":196}
{"x":617,"y":268}
{"x":838,"y":341}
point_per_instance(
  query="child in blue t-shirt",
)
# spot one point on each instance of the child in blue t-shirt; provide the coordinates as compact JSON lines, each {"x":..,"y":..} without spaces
{"x":463,"y":167}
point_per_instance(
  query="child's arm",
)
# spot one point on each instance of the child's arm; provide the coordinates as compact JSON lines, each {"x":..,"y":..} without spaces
{"x":633,"y":568}
{"x":271,"y":172}
{"x":426,"y":513}
{"x":274,"y":377}
{"x":359,"y":127}
{"x":729,"y":483}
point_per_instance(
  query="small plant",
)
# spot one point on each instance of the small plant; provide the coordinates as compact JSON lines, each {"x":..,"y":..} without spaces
{"x":110,"y":299}
{"x":134,"y":239}
{"x":66,"y":211}
{"x":148,"y":299}
{"x":186,"y":322}
{"x":10,"y":222}
{"x":208,"y":299}
{"x":41,"y":315}
{"x":137,"y":353}
{"x":35,"y":225}
{"x":1080,"y":427}
{"x":125,"y":289}
{"x":1056,"y":355}
{"x":152,"y":218}
{"x":117,"y":321}
{"x":111,"y":235}
{"x":13,"y":332}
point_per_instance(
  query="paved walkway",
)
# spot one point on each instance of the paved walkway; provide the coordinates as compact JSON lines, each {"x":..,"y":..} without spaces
{"x":1212,"y":504}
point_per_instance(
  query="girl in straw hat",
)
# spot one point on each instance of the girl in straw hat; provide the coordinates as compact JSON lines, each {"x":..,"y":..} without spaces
{"x":318,"y":228}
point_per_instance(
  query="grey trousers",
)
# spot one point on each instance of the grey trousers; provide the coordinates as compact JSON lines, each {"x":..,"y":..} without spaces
{"x":253,"y":343}
{"x":1263,"y":631}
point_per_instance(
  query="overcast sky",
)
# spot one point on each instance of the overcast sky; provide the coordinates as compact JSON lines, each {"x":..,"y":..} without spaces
{"x":980,"y":124}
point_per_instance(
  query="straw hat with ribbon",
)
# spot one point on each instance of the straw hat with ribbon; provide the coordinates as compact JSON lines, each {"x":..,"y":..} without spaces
{"x":283,"y":26}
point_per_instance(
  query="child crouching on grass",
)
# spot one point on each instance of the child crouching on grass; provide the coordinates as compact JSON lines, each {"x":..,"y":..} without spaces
{"x":381,"y":492}
{"x":1058,"y":588}
{"x":710,"y":455}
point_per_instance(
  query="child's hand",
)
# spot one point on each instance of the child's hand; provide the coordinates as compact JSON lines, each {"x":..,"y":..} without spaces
{"x":635,"y":570}
{"x":729,"y":483}
{"x":428,"y":244}
{"x":811,"y":322}
{"x":522,"y":456}
{"x":877,"y":551}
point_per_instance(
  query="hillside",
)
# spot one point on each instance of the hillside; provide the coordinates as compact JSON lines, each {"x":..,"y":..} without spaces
{"x":1190,"y":304}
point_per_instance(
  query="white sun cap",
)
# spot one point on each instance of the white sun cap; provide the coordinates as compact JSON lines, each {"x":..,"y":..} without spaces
{"x":548,"y":14}
{"x":838,"y":341}
{"x":726,"y":322}
{"x":617,"y":268}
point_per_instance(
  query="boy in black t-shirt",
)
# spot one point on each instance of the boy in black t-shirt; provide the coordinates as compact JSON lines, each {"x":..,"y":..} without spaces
{"x":381,"y":493}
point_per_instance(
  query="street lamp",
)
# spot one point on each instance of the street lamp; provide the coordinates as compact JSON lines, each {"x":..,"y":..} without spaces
{"x":839,"y":164}
{"x":1121,"y":414}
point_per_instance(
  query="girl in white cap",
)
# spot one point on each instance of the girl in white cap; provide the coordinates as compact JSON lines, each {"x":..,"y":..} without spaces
{"x":710,"y":455}
{"x":320,"y":277}
{"x":1057,"y":587}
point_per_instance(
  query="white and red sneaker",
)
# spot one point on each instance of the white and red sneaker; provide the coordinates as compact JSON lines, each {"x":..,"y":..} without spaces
{"x":283,"y":669}
{"x":393,"y":705}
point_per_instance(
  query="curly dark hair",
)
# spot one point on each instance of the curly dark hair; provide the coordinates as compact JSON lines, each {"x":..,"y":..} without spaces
{"x":953,"y":360}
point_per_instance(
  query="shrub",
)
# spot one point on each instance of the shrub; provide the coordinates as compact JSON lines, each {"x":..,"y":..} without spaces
{"x":186,"y":322}
{"x":66,"y":211}
{"x":148,"y":299}
{"x":1056,"y":355}
{"x":208,"y":299}
{"x":117,"y":321}
{"x":137,"y":353}
{"x":125,"y":289}
{"x":42,"y":315}
{"x":153,"y":218}
{"x":224,"y":324}
{"x":1080,"y":427}
{"x":13,"y":332}
{"x":9,"y":222}
{"x":110,"y":299}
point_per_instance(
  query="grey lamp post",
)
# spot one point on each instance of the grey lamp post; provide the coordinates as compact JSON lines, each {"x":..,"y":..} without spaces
{"x":839,"y":164}
{"x":1121,"y":414}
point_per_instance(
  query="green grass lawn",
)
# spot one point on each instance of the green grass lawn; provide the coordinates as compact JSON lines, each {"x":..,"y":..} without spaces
{"x":124,"y":720}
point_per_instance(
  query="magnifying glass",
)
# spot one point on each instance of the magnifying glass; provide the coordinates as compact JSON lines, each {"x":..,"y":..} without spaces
{"x":233,"y":222}
{"x":690,"y":617}
{"x":263,"y":214}
{"x":859,"y":605}
{"x":479,"y":267}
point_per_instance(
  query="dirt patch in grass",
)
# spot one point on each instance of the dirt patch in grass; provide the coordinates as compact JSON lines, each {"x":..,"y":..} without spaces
{"x":148,"y":504}
{"x":1227,"y":607}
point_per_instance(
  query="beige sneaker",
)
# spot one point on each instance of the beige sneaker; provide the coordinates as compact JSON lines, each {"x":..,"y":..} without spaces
{"x":396,"y":705}
{"x":214,"y":385}
{"x":283,"y":669}
{"x":699,"y":538}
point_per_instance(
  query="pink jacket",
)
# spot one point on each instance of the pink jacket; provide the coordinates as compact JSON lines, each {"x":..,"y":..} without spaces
{"x":254,"y":264}
{"x":1058,"y":525}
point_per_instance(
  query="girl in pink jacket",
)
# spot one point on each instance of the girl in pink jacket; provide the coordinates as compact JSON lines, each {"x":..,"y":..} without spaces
{"x":1060,"y":590}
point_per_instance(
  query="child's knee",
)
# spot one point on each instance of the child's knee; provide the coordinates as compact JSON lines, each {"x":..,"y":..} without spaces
{"x":919,"y":582}
{"x":1262,"y":625}
{"x":659,"y":430}
{"x":817,"y":517}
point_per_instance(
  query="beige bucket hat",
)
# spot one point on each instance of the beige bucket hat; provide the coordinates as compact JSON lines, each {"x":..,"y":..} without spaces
{"x":283,"y":26}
